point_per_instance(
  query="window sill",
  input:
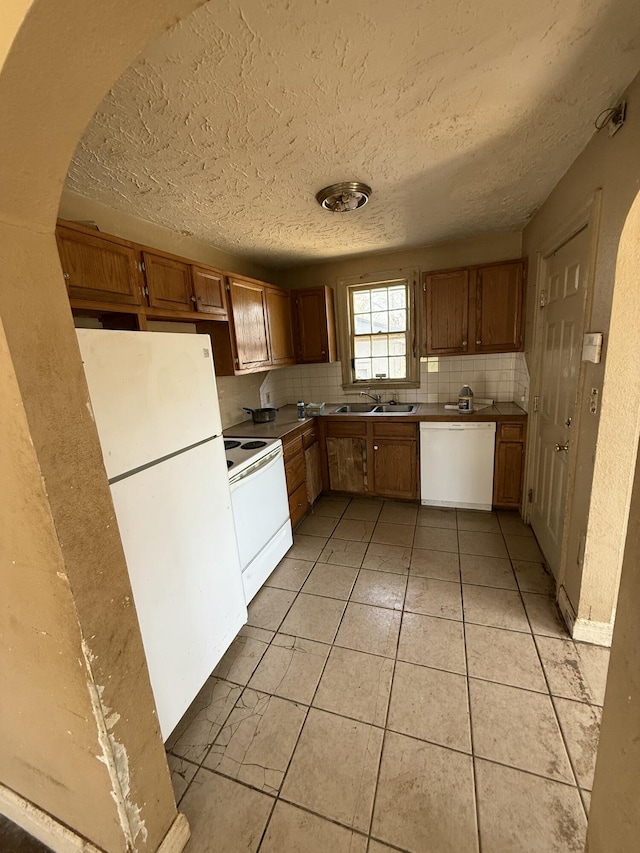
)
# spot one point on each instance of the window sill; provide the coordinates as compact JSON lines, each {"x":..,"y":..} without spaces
{"x":376,"y":384}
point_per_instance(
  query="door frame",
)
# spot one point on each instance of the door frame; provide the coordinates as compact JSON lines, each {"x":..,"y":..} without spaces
{"x":585,"y":215}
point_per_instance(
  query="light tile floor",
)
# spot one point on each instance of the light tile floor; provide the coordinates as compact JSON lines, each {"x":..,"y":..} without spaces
{"x":404,"y":683}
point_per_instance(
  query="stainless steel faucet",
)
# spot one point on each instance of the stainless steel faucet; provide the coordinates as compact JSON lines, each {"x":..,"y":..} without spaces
{"x":376,"y":397}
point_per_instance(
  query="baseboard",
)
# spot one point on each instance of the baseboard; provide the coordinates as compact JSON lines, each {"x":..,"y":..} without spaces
{"x":61,"y":839}
{"x":41,"y":825}
{"x":597,"y":633}
{"x":176,"y":839}
{"x":584,"y":630}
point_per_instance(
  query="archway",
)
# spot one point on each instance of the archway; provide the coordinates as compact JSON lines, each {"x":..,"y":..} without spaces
{"x":615,"y":816}
{"x":79,"y":742}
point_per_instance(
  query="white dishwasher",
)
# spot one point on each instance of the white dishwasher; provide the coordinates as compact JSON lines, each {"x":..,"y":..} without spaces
{"x":456,"y":464}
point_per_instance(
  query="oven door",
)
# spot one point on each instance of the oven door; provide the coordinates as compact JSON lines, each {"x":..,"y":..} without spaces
{"x":260,"y":504}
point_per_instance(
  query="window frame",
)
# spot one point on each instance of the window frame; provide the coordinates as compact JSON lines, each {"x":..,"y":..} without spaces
{"x":386,"y":278}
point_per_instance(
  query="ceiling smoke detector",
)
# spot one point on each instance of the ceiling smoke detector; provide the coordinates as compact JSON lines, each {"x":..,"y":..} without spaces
{"x":343,"y":197}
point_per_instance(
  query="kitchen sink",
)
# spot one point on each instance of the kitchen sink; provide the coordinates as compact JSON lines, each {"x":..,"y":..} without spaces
{"x":396,"y":409}
{"x":373,"y":409}
{"x":354,"y":408}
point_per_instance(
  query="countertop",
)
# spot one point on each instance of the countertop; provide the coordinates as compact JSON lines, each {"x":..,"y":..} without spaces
{"x":287,"y":418}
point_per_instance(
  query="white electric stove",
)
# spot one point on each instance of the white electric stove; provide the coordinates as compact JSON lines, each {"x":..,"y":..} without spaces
{"x":260,"y":507}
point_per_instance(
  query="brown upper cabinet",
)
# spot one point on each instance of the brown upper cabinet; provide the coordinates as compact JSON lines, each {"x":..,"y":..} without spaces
{"x":112,"y":273}
{"x":248,"y":309}
{"x":99,"y":269}
{"x":314,"y":325}
{"x":278,"y":306}
{"x":258,"y":335}
{"x":168,"y":282}
{"x":208,"y":289}
{"x":474,"y":309}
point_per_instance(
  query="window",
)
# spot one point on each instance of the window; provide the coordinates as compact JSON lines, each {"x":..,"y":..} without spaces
{"x":378,"y":329}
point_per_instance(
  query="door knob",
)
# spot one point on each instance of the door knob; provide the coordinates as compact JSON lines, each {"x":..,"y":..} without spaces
{"x":561,"y":447}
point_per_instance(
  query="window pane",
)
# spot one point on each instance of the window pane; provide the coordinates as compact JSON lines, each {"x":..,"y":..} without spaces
{"x":397,"y":344}
{"x":380,"y":366}
{"x":362,"y":347}
{"x":380,"y":345}
{"x":379,"y":300}
{"x":380,"y":322}
{"x":379,"y":338}
{"x":397,"y":321}
{"x":363,"y":368}
{"x":362,"y":324}
{"x":397,"y":297}
{"x":398,"y":367}
{"x":362,"y":301}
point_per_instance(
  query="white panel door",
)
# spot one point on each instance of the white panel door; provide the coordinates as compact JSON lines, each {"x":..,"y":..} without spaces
{"x":562,"y":329}
{"x":176,"y":526}
{"x":152,"y":393}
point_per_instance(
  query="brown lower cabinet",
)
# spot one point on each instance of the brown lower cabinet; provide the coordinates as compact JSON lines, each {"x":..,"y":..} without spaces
{"x":372,"y":457}
{"x":380,"y":457}
{"x":508,"y":469}
{"x":302,"y":470}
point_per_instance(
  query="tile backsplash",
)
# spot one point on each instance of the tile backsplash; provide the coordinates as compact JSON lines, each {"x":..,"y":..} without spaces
{"x":501,"y":377}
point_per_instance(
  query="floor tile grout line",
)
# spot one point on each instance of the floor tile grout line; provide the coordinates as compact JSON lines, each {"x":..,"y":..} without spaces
{"x":306,"y":717}
{"x":386,"y":716}
{"x":476,"y":797}
{"x":555,"y":711}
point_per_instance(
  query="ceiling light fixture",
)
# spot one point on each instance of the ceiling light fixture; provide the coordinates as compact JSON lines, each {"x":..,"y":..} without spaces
{"x":343,"y":197}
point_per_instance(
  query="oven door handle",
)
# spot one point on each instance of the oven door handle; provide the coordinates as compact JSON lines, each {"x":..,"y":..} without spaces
{"x":260,"y":465}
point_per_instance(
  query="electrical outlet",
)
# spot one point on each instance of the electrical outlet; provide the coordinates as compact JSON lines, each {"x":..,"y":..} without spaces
{"x":593,"y":401}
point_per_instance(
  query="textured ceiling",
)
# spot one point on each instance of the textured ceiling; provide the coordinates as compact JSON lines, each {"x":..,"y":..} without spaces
{"x":462,"y":116}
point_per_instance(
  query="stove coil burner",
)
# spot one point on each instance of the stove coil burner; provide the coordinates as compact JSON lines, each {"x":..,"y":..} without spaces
{"x":229,"y":444}
{"x":254,"y":445}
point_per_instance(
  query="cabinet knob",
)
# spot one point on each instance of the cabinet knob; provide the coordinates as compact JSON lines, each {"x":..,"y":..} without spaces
{"x":478,"y":342}
{"x":375,"y":446}
{"x":66,"y":276}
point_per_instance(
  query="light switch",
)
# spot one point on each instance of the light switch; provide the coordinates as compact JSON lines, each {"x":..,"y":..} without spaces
{"x":592,"y":347}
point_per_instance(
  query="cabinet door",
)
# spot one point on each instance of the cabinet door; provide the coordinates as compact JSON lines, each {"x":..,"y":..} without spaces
{"x":98,"y":270}
{"x":314,"y":325}
{"x":499,"y":306}
{"x":395,"y":468}
{"x":507,"y":490}
{"x":314,"y":475}
{"x":250,"y":323}
{"x":509,"y":464}
{"x":347,"y":462}
{"x":446,"y":300}
{"x":168,"y":283}
{"x":208,"y":289}
{"x":278,"y":305}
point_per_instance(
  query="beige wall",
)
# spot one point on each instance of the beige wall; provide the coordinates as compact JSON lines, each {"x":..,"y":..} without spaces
{"x":78,"y":732}
{"x":77,"y":208}
{"x":599,"y":514}
{"x":483,"y":248}
{"x":614,"y":820}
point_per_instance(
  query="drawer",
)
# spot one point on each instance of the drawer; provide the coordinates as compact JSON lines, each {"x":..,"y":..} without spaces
{"x":347,"y":429}
{"x":293,"y":447}
{"x":511,"y":432}
{"x":395,"y":430}
{"x":298,"y":504}
{"x":310,"y":437}
{"x":295,"y":472}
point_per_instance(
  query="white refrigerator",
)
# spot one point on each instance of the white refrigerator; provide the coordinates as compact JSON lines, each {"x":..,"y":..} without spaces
{"x":154,"y":400}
